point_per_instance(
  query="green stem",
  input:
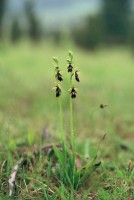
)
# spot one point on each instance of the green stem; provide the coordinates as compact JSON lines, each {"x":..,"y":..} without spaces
{"x":61,"y":118}
{"x":72,"y":135}
{"x":71,"y":119}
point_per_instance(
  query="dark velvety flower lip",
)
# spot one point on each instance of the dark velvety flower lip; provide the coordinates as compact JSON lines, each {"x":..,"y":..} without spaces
{"x":77,"y":76}
{"x":73,"y":93}
{"x":58,"y":91}
{"x":70,"y":68}
{"x":59,"y":76}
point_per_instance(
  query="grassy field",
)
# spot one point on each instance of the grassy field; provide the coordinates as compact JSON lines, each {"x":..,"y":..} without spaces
{"x":28,"y":109}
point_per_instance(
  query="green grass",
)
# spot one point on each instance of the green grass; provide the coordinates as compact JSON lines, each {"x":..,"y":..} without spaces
{"x":28,"y":105}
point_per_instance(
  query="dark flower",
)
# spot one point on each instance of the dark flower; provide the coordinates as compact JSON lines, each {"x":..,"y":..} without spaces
{"x":58,"y":91}
{"x":70,"y":68}
{"x":77,"y":76}
{"x":73,"y":93}
{"x":59,"y":76}
{"x":102,"y":106}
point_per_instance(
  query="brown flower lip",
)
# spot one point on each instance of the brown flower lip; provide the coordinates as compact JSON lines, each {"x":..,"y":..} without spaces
{"x":73,"y":93}
{"x":58,"y":91}
{"x":77,"y":76}
{"x":70,"y":68}
{"x":59,"y":76}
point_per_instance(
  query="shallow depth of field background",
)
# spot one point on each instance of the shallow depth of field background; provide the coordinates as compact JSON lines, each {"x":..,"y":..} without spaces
{"x":101,"y":35}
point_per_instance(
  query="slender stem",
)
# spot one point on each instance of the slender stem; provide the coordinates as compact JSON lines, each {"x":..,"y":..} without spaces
{"x":72,"y":130}
{"x":71,"y":119}
{"x":61,"y":117}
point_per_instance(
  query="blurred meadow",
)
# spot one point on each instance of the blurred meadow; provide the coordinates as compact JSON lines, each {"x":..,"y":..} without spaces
{"x":103,"y":54}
